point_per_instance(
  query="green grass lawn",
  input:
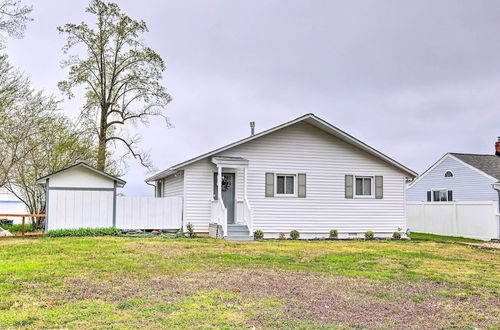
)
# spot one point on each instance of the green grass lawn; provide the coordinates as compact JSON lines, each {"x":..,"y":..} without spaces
{"x":433,"y":237}
{"x":118,"y":282}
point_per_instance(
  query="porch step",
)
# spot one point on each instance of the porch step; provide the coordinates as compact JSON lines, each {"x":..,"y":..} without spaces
{"x":238,"y":232}
{"x":239,"y":238}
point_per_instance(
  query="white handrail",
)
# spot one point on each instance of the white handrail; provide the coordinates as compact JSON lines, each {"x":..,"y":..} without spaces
{"x":223,"y":217}
{"x":219,"y":215}
{"x":248,"y":216}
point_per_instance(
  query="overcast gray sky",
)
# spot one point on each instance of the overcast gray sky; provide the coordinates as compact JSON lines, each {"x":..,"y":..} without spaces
{"x":414,"y":79}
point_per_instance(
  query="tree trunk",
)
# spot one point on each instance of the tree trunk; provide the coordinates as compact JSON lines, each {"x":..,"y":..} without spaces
{"x":101,"y":150}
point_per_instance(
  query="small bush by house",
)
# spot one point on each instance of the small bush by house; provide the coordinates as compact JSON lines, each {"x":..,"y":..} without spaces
{"x":258,"y":234}
{"x":369,"y":235}
{"x":190,"y":230}
{"x":333,"y":234}
{"x":396,"y":235}
{"x":294,"y":234}
{"x":111,"y":231}
{"x":282,"y":236}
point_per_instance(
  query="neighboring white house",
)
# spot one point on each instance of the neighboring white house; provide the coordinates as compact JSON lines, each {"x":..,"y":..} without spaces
{"x":305,"y":174}
{"x":457,"y":177}
{"x":10,"y":204}
{"x":458,"y":195}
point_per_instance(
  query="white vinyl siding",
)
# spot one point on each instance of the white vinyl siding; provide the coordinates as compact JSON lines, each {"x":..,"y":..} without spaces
{"x":467,"y":184}
{"x":173,"y":185}
{"x":302,"y":148}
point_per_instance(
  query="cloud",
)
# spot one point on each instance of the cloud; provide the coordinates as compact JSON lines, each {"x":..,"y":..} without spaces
{"x":413,"y":79}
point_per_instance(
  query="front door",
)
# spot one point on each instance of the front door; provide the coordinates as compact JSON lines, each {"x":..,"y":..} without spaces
{"x":227,"y":193}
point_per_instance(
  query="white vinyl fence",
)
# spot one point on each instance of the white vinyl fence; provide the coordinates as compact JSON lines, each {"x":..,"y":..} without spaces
{"x":479,"y":220}
{"x":149,"y":213}
{"x":95,"y":209}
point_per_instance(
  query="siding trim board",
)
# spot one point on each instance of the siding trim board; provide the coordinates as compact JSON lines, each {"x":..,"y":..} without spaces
{"x":81,"y":189}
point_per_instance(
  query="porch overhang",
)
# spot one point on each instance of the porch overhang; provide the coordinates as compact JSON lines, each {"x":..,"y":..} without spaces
{"x":230,"y":162}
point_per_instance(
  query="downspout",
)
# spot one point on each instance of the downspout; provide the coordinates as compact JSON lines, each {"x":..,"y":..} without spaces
{"x":152,"y":185}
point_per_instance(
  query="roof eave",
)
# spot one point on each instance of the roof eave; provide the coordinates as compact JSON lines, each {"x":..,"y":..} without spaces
{"x":120,"y":183}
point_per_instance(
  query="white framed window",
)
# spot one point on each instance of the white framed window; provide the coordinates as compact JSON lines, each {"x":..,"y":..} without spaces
{"x":448,"y":174}
{"x":440,"y":195}
{"x":363,"y":186}
{"x":285,"y":185}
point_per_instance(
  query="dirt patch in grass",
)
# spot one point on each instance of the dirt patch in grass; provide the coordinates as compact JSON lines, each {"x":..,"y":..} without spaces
{"x":307,"y":296}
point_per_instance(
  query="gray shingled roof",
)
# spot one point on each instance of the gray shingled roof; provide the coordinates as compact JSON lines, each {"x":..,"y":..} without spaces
{"x":489,"y":164}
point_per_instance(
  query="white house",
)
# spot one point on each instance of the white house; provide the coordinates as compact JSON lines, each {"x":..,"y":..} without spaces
{"x":305,"y":174}
{"x":458,"y":177}
{"x":458,"y":196}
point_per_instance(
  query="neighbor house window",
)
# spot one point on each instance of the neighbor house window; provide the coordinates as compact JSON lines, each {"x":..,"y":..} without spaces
{"x":364,"y":186}
{"x":448,"y":174}
{"x":441,"y":195}
{"x":285,"y":184}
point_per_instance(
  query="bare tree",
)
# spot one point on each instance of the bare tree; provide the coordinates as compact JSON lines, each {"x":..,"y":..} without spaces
{"x":14,"y":88}
{"x":41,"y":140}
{"x":13,"y":18}
{"x":121,"y":76}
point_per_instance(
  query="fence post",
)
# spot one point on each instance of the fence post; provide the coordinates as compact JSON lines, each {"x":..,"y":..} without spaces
{"x":455,"y":219}
{"x":22,"y":227}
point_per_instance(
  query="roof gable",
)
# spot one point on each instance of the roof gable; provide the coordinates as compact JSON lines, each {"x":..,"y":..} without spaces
{"x":489,"y":164}
{"x":454,"y":156}
{"x":120,"y":182}
{"x":309,"y":118}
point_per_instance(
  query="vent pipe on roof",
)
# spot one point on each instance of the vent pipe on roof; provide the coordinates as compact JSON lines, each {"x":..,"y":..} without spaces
{"x":252,"y":127}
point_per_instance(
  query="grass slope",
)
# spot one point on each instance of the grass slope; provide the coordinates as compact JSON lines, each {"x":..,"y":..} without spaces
{"x":432,"y":237}
{"x":116,"y":282}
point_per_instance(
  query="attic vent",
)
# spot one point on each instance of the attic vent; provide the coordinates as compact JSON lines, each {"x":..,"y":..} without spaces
{"x":448,"y":174}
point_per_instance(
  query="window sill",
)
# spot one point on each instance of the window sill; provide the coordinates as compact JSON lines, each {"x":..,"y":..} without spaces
{"x":364,"y":197}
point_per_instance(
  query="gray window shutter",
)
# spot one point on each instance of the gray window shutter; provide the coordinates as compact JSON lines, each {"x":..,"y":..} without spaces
{"x":348,"y":186}
{"x":450,"y":195}
{"x":269,"y":184}
{"x":429,"y":196}
{"x":379,"y":187}
{"x":301,"y":185}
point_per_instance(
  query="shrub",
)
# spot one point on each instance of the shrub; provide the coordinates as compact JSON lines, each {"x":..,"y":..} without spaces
{"x":396,"y":235}
{"x":369,"y":235}
{"x":281,"y":236}
{"x":258,"y":234}
{"x":17,"y":228}
{"x":294,"y":234}
{"x":190,"y":230}
{"x":334,"y":234}
{"x":111,"y":231}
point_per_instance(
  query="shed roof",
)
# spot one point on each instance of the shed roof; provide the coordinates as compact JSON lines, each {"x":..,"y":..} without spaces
{"x":489,"y":164}
{"x":308,"y":118}
{"x":119,"y":181}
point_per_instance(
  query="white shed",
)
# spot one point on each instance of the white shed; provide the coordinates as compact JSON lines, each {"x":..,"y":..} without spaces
{"x":70,"y":191}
